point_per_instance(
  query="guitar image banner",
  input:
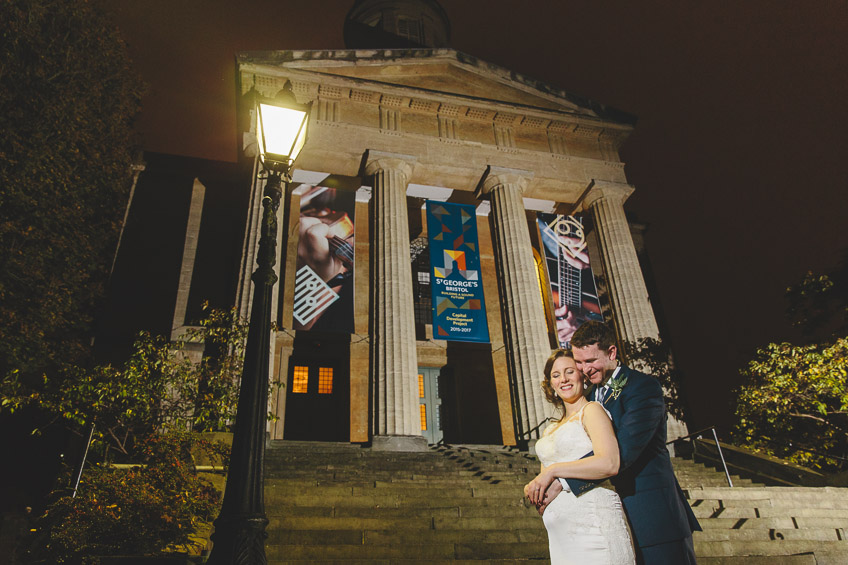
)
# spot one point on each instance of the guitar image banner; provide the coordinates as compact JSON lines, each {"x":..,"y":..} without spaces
{"x":575,"y":296}
{"x":459,"y":309}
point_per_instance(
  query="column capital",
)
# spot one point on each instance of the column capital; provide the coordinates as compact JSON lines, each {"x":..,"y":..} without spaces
{"x":495,"y":177}
{"x":605,"y":190}
{"x":376,"y":161}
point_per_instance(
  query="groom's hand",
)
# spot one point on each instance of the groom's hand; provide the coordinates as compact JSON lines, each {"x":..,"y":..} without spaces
{"x":550,"y":495}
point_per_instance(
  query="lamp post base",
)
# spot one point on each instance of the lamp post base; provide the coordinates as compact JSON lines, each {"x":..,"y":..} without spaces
{"x":239,"y":540}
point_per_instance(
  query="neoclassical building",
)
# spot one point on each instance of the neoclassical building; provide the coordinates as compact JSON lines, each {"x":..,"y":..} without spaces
{"x":391,"y":129}
{"x":354,"y":353}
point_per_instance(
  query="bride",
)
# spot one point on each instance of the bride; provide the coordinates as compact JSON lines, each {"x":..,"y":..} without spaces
{"x":589,"y":529}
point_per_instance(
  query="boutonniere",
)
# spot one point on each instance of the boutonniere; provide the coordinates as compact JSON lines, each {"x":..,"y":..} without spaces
{"x":616,"y":387}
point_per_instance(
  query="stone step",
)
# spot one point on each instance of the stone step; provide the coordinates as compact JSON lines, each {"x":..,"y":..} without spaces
{"x":367,"y":511}
{"x":422,"y":553}
{"x":770,"y":534}
{"x":434,"y":483}
{"x":397,"y":561}
{"x":422,"y":523}
{"x":804,"y":559}
{"x":798,"y":513}
{"x":775,"y":522}
{"x":775,"y":547}
{"x":406,"y":537}
{"x":773,"y":493}
{"x":379,"y":499}
{"x":346,"y":504}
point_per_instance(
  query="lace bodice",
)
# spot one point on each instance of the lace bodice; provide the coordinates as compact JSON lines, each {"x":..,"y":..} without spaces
{"x":564,"y":442}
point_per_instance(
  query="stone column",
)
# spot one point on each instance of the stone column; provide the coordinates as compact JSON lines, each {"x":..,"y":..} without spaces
{"x":631,"y":306}
{"x":525,"y":335}
{"x":627,"y":291}
{"x":394,"y":366}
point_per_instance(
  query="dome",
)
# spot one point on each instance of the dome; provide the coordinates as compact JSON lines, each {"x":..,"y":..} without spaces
{"x":387,"y":24}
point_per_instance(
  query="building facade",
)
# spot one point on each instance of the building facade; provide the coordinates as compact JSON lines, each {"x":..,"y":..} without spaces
{"x":391,"y":129}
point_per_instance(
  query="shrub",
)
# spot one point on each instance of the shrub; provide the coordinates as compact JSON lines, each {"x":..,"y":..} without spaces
{"x":143,"y":510}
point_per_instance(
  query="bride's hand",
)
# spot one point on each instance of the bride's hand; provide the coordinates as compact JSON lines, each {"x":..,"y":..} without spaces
{"x":535,"y":489}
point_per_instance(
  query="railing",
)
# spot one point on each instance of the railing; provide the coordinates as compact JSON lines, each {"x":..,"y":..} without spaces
{"x":82,"y":463}
{"x":526,"y":435}
{"x":699,"y":435}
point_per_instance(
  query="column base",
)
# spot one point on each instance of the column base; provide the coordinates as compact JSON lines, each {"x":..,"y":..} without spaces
{"x":399,"y":443}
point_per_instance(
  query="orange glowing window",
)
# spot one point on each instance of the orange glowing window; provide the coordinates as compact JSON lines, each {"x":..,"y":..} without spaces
{"x":423,"y":417}
{"x":300,"y":379}
{"x":325,"y":380}
{"x":420,"y":386}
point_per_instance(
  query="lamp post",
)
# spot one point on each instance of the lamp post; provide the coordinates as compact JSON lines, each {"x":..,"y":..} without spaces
{"x":239,"y":536}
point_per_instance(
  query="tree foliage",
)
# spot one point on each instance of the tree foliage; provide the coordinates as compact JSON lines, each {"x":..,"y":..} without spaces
{"x":68,"y":97}
{"x":159,"y":388}
{"x":653,"y":356}
{"x":162,"y":504}
{"x":818,"y":305}
{"x":795,"y":405}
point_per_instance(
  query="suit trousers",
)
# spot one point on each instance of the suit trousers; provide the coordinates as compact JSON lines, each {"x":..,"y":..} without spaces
{"x":677,"y":552}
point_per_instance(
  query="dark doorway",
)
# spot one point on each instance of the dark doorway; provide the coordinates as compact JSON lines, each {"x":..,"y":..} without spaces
{"x":318,"y":388}
{"x":470,"y":413}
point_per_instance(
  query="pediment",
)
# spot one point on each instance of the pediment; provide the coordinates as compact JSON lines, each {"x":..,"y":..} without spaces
{"x":431,"y":73}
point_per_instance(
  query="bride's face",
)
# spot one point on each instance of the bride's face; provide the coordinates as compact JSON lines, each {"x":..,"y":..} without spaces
{"x":566,"y":380}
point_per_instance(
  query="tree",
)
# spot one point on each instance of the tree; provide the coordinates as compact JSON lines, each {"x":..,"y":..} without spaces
{"x":653,"y":356}
{"x":157,"y":506}
{"x":796,"y":404}
{"x":157,"y":389}
{"x":68,"y":97}
{"x":818,"y":305}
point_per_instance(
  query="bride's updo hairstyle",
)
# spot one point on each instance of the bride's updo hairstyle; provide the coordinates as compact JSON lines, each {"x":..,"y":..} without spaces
{"x":550,"y":394}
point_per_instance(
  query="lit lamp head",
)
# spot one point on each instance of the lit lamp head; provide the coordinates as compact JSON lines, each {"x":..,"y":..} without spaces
{"x":281,"y":131}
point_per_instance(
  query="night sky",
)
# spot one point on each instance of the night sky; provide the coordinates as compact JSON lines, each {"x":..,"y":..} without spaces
{"x":738,"y":157}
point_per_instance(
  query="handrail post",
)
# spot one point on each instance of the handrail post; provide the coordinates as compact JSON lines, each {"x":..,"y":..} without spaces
{"x":82,"y":463}
{"x":721,"y":456}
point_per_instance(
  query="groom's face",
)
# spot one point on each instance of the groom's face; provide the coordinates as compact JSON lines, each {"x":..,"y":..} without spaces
{"x":596,"y":363}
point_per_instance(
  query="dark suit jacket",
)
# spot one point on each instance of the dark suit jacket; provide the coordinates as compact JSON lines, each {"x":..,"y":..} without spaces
{"x":652,"y":498}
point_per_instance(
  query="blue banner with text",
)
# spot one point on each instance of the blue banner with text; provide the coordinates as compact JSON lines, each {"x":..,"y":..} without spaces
{"x":459,"y":310}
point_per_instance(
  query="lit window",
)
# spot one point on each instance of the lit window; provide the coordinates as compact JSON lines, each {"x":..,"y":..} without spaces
{"x":300,"y":380}
{"x":420,"y":386}
{"x":325,"y":380}
{"x":423,"y":417}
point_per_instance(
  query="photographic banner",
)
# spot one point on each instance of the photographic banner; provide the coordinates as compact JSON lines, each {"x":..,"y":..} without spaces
{"x":575,"y":296}
{"x":323,"y":288}
{"x":459,"y":310}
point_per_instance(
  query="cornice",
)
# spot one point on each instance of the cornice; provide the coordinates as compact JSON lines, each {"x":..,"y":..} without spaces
{"x":302,"y":59}
{"x":309,"y":85}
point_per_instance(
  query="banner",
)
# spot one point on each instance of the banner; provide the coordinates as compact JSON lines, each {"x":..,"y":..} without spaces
{"x":575,"y":296}
{"x":323,"y":288}
{"x":459,"y":310}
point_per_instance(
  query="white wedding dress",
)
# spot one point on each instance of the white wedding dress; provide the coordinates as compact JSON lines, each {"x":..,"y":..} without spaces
{"x":589,"y":529}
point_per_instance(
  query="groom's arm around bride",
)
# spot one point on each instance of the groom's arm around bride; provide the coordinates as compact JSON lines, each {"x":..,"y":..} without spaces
{"x":660,"y":517}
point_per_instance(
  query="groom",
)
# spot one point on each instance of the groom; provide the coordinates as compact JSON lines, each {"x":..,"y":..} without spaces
{"x":660,"y":518}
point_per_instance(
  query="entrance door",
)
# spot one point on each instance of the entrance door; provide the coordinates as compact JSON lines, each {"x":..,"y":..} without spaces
{"x":430,"y":404}
{"x":316,"y":402}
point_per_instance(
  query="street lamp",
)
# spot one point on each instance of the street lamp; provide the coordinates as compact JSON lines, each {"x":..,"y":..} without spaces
{"x":239,"y":536}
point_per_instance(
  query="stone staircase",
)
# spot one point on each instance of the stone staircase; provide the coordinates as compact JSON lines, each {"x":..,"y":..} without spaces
{"x":335,"y":502}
